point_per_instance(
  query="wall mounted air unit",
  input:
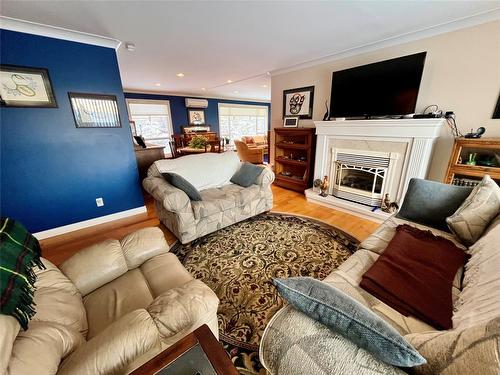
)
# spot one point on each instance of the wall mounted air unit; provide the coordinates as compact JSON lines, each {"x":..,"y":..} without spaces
{"x":196,"y":103}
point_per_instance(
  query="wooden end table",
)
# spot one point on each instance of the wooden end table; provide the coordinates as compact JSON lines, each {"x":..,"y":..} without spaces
{"x":197,"y":353}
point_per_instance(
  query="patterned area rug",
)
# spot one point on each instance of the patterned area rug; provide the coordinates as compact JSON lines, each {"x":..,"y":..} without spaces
{"x":240,"y":261}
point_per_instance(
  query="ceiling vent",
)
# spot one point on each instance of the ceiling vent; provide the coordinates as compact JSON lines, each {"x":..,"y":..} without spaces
{"x":196,"y":103}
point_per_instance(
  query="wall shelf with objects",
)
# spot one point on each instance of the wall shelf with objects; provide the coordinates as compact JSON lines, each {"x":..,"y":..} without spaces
{"x":471,"y":159}
{"x":294,"y":157}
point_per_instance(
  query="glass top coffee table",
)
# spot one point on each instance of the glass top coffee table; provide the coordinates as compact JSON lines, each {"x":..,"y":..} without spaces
{"x":199,"y":353}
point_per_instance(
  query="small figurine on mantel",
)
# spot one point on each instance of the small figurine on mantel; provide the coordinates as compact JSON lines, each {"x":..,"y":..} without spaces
{"x":323,"y":188}
{"x":388,"y":206}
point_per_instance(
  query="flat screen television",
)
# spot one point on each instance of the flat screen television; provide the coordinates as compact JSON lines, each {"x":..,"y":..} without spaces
{"x":386,"y":88}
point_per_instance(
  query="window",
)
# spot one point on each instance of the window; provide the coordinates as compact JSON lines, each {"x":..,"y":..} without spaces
{"x":238,"y":120}
{"x":152,"y":120}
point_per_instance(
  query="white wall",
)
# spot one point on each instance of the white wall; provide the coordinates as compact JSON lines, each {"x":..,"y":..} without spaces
{"x":462,"y":74}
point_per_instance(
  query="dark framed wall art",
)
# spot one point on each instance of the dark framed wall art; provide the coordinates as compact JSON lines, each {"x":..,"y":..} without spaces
{"x":26,"y":87}
{"x":298,"y":102}
{"x":95,"y":110}
{"x":196,"y":116}
{"x":496,"y":112}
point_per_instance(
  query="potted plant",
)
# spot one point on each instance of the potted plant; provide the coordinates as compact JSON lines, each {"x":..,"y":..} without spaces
{"x":198,"y":142}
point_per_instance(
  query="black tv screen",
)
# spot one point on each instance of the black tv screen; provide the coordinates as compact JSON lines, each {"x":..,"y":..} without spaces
{"x":386,"y":88}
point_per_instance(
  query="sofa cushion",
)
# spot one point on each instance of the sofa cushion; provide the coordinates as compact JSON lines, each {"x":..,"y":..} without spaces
{"x":142,"y":245}
{"x":117,"y":298}
{"x":430,"y":203}
{"x":181,"y":183}
{"x":246,"y":175}
{"x":479,"y":301}
{"x":95,"y":266}
{"x":475,"y":214}
{"x":204,"y":171}
{"x":160,"y":281}
{"x":348,"y":317}
{"x":414,"y":275}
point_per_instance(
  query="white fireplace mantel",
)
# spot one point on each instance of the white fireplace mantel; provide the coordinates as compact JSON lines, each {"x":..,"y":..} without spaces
{"x":418,"y":134}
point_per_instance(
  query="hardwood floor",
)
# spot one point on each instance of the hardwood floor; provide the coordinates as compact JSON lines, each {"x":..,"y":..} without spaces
{"x":59,"y":248}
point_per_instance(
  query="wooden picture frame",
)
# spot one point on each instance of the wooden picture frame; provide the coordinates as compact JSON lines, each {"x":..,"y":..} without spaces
{"x":298,"y":102}
{"x":291,"y":122}
{"x":95,"y":110}
{"x":196,"y":116}
{"x":22,"y":86}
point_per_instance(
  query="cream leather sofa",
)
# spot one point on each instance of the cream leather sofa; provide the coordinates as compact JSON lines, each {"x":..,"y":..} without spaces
{"x":107,"y":310}
{"x":223,"y":203}
{"x":295,"y":344}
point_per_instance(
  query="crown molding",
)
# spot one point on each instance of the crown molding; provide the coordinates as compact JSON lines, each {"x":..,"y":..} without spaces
{"x":442,"y":28}
{"x":191,"y":95}
{"x":29,"y":27}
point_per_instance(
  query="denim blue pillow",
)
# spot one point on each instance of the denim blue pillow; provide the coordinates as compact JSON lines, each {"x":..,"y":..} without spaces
{"x":181,"y":183}
{"x":246,"y":175}
{"x":346,"y":316}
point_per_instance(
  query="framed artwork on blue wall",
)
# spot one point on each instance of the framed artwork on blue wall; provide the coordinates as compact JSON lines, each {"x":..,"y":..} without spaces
{"x":26,"y":87}
{"x":95,"y":110}
{"x":196,"y":116}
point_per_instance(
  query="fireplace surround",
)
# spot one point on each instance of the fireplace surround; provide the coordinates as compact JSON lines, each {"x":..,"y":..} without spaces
{"x":366,"y":159}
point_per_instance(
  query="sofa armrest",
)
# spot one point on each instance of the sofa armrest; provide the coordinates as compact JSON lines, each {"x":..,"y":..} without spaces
{"x":173,"y":199}
{"x":266,"y":178}
{"x":112,"y":350}
{"x":293,"y":343}
{"x":459,"y":351}
{"x":180,"y":309}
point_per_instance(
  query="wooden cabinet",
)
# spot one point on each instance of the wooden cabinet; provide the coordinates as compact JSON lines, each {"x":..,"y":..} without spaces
{"x":471,"y":159}
{"x":294,"y":152}
{"x":147,"y":156}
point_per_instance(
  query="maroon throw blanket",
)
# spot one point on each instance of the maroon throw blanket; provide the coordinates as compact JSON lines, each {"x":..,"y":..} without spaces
{"x":414,"y":275}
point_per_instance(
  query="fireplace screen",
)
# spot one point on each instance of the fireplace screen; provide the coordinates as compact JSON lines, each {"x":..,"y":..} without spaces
{"x":369,"y":180}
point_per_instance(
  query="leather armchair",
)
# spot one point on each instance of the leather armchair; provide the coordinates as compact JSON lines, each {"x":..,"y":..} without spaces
{"x":253,"y":155}
{"x":107,"y":310}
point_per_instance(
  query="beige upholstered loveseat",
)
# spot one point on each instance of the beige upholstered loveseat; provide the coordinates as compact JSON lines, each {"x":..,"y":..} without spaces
{"x":107,"y":310}
{"x":223,"y":203}
{"x":295,"y":344}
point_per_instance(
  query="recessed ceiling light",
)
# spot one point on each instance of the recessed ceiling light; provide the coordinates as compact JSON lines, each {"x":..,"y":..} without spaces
{"x":180,"y":75}
{"x":229,"y":81}
{"x":268,"y":73}
{"x":157,"y":84}
{"x":264,"y":86}
{"x":236,"y":92}
{"x":203,"y":89}
{"x":130,"y":46}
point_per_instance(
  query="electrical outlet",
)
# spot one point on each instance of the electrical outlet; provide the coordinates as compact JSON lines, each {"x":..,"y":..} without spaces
{"x":99,"y":202}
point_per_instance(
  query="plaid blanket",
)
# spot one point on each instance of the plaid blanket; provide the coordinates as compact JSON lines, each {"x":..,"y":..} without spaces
{"x":19,"y":253}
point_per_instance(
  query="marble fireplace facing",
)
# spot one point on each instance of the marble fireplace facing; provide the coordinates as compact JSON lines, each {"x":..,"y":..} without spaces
{"x":367,"y":159}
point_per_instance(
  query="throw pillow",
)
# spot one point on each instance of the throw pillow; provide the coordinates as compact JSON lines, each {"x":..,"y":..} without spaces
{"x":430,"y":203}
{"x":246,"y":175}
{"x":348,"y":317}
{"x":476,"y":212}
{"x":181,"y":183}
{"x":414,"y":275}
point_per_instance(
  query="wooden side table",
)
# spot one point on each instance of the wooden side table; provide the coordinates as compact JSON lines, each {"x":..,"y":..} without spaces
{"x":197,"y":353}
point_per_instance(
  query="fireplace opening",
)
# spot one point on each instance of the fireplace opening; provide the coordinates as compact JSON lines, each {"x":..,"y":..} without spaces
{"x":360,"y":177}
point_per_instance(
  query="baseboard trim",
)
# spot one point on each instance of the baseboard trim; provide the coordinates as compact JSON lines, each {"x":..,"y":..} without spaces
{"x":89,"y":223}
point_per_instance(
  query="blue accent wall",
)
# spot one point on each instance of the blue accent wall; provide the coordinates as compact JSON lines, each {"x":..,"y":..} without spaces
{"x":179,"y":111}
{"x":52,"y":172}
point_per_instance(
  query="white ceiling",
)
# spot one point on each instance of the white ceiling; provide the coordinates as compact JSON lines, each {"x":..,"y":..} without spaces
{"x":213,"y":41}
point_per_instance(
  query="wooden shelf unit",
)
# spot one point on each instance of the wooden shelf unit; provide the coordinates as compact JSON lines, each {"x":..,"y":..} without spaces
{"x":294,"y":152}
{"x":488,"y":152}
